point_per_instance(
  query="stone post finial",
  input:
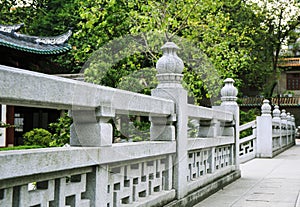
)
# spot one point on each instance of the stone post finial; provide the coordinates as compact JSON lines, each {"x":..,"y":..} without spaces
{"x":169,"y":67}
{"x":293,"y":118}
{"x":229,"y":92}
{"x":283,"y":115}
{"x":266,"y":108}
{"x":288,"y":116}
{"x":276,"y":113}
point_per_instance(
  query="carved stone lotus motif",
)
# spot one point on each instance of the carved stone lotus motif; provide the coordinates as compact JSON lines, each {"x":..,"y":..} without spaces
{"x":169,"y":62}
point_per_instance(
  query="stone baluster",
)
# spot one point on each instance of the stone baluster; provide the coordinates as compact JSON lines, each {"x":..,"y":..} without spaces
{"x":277,"y":123}
{"x":266,"y":108}
{"x":91,"y":128}
{"x":169,"y":68}
{"x":276,"y":114}
{"x":283,"y":114}
{"x":293,"y":127}
{"x":289,"y":126}
{"x":288,"y":120}
{"x":283,"y":117}
{"x":228,"y":97}
{"x":293,"y":119}
{"x":264,"y":131}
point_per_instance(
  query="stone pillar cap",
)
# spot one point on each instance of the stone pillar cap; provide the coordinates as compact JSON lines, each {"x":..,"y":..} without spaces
{"x":169,"y":67}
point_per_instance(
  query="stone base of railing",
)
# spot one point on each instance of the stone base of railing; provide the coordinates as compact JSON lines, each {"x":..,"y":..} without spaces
{"x":206,"y":191}
{"x":282,"y":149}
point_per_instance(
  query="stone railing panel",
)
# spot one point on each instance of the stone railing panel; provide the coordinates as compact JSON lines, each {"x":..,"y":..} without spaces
{"x":247,"y":145}
{"x":65,"y":189}
{"x":199,"y":163}
{"x":139,"y":181}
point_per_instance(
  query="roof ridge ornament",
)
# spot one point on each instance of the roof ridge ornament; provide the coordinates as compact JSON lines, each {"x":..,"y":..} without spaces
{"x":10,"y":37}
{"x":56,"y":40}
{"x":10,"y":28}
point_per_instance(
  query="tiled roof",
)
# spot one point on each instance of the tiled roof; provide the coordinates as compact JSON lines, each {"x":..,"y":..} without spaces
{"x":38,"y":45}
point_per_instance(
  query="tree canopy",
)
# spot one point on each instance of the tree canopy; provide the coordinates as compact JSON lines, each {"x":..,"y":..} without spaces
{"x":223,"y":38}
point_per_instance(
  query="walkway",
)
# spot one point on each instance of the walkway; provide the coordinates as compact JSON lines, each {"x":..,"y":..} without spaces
{"x":264,"y":183}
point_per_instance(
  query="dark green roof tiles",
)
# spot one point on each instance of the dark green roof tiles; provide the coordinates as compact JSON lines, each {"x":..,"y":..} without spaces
{"x":38,"y":45}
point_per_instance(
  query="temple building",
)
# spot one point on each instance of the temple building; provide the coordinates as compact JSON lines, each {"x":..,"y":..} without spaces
{"x":30,"y":53}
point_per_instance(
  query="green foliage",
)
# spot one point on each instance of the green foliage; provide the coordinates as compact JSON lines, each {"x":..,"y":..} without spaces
{"x":4,"y":125}
{"x":240,"y":39}
{"x":133,"y":128}
{"x":59,"y":137}
{"x":248,"y":116}
{"x":245,"y":117}
{"x":38,"y":136}
{"x":22,"y":147}
{"x":193,"y":128}
{"x":61,"y":131}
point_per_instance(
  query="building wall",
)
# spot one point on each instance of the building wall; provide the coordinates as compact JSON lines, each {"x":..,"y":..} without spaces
{"x":282,"y":84}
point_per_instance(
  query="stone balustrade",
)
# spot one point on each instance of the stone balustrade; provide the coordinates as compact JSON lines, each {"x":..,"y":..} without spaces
{"x":172,"y":168}
{"x":270,"y":135}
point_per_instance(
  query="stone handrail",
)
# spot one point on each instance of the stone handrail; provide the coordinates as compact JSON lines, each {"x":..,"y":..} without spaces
{"x":203,"y":113}
{"x":248,"y":125}
{"x":27,"y":88}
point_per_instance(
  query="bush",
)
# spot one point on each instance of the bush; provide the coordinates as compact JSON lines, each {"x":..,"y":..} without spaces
{"x":61,"y":131}
{"x":38,"y":136}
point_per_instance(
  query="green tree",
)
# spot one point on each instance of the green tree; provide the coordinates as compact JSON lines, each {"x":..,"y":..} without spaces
{"x":281,"y":18}
{"x":239,"y":38}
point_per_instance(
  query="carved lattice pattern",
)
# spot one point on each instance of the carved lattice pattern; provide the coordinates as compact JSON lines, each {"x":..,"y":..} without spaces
{"x":62,"y":192}
{"x":198,"y":163}
{"x":132,"y":182}
{"x":222,"y":156}
{"x":71,"y":189}
{"x":247,"y":148}
{"x":42,"y":195}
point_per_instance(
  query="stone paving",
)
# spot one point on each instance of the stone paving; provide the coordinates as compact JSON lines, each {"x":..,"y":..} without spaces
{"x":264,"y":183}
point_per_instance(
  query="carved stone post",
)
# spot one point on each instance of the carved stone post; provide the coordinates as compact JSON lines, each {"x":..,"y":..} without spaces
{"x":276,"y":114}
{"x":228,"y":97}
{"x":289,"y":127}
{"x":277,"y":123}
{"x":169,"y":68}
{"x":284,"y":127}
{"x":293,"y":127}
{"x":264,"y":131}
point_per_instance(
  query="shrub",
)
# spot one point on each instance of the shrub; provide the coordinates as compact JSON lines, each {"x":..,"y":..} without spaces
{"x":38,"y":136}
